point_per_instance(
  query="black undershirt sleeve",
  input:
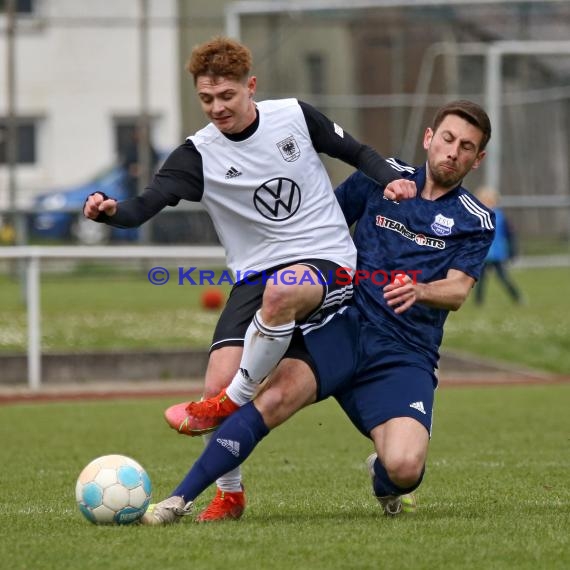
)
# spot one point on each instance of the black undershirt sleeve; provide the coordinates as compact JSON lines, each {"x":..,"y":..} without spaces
{"x":180,"y":178}
{"x":326,"y":139}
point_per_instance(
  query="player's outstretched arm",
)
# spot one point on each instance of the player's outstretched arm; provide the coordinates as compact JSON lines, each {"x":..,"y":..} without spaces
{"x":330,"y":138}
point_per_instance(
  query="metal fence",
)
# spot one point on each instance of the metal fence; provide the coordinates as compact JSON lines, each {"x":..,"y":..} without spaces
{"x":32,"y":257}
{"x":212,"y":256}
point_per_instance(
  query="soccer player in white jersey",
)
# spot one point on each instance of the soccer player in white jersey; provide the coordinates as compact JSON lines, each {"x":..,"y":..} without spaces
{"x":255,"y":168}
{"x":378,"y":358}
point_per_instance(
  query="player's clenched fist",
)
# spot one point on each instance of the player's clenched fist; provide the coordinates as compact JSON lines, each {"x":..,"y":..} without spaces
{"x":97,"y":203}
{"x":401,"y":189}
{"x":401,"y":293}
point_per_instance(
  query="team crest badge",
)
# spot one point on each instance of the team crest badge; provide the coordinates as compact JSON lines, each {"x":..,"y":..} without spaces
{"x":289,"y":149}
{"x":442,"y":225}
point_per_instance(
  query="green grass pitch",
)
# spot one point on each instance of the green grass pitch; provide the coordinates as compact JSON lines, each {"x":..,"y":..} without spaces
{"x":496,"y":492}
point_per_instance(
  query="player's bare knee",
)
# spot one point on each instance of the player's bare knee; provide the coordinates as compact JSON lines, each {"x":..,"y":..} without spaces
{"x":272,"y":404}
{"x":405,"y":470}
{"x":269,"y":400}
{"x":278,"y":303}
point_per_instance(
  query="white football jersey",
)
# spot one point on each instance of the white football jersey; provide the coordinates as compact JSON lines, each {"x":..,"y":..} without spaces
{"x":269,"y":196}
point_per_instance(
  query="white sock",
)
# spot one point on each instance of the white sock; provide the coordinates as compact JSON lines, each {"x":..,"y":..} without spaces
{"x":263,"y":348}
{"x":230,"y":481}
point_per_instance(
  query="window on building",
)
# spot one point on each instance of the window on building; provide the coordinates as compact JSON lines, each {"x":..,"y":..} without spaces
{"x":124,"y":134}
{"x":124,"y":128}
{"x":22,"y":6}
{"x":316,"y":73}
{"x":27,"y":141}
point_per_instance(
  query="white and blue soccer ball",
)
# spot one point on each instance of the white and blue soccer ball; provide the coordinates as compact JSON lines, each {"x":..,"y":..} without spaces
{"x":113,"y":489}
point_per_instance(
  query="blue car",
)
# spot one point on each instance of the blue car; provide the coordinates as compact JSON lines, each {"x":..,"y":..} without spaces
{"x":59,"y":214}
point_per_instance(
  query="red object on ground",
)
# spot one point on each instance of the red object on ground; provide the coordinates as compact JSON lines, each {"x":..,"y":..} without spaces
{"x":212,"y":299}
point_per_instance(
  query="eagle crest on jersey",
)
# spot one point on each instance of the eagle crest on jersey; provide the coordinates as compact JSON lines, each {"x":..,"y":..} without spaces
{"x":289,"y":149}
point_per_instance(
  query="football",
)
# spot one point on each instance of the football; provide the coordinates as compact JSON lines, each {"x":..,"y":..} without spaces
{"x":113,"y":489}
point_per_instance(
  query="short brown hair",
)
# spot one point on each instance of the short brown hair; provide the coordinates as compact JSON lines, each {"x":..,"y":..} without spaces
{"x":469,"y":111}
{"x":220,"y":57}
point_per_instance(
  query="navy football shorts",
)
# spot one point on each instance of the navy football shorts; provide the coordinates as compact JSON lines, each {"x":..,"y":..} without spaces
{"x":333,"y":349}
{"x":373,"y":376}
{"x":395,"y":392}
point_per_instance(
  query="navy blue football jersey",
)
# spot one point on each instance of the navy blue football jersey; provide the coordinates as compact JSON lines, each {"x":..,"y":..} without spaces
{"x":422,"y":238}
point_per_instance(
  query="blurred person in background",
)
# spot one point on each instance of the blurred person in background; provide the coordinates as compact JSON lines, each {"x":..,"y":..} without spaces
{"x":502,"y":251}
{"x":129,"y":160}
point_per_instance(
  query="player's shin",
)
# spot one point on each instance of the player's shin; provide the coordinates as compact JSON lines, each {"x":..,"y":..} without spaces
{"x":264,"y":346}
{"x":229,"y":447}
{"x":230,"y":481}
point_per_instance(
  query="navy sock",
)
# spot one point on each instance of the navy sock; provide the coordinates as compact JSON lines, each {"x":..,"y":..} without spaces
{"x":229,"y":447}
{"x":384,"y":486}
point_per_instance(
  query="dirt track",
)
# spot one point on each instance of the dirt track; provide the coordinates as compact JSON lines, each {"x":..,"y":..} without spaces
{"x":191,"y":388}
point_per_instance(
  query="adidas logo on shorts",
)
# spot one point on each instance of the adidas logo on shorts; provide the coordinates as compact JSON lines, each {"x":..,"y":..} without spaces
{"x":418,"y":406}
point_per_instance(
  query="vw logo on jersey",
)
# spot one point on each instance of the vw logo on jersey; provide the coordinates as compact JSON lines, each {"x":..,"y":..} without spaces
{"x":442,"y":225}
{"x":277,"y":199}
{"x":289,"y":149}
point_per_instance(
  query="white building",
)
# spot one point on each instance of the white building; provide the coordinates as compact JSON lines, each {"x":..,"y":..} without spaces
{"x":78,"y":87}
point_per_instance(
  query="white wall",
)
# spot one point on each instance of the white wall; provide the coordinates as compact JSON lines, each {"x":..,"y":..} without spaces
{"x":78,"y":67}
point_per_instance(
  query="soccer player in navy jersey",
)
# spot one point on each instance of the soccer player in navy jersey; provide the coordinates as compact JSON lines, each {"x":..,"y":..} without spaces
{"x":256,"y":169}
{"x":378,"y":358}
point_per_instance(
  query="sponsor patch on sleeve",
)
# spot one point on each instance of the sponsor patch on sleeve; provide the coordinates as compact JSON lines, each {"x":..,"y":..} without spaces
{"x":338,"y":130}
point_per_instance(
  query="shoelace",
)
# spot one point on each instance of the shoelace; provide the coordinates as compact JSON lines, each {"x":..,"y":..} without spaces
{"x":219,"y":505}
{"x":183,"y":511}
{"x":207,"y":408}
